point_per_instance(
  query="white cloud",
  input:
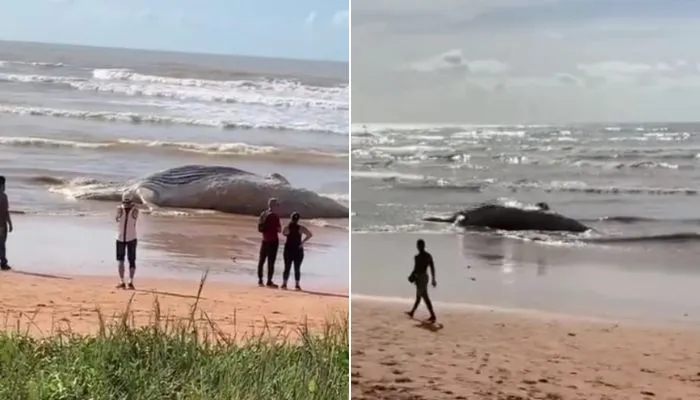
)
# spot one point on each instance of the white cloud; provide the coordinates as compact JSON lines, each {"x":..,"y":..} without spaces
{"x":311,"y":18}
{"x":454,"y":60}
{"x":524,"y":60}
{"x":340,"y":18}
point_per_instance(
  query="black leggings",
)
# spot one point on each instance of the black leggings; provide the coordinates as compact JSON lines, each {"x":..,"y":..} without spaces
{"x":268,"y":251}
{"x":422,"y":294}
{"x":296,"y":257}
{"x":3,"y":246}
{"x":127,"y":249}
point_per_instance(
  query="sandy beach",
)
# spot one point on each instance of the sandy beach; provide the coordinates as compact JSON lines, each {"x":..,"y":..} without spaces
{"x":485,"y":353}
{"x":43,"y":303}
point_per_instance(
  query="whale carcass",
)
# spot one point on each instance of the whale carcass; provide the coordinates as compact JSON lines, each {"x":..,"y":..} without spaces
{"x":230,"y":190}
{"x":513,"y":219}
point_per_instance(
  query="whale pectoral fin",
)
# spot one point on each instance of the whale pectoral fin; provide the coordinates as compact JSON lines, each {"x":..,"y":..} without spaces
{"x":148,"y":198}
{"x":450,"y":220}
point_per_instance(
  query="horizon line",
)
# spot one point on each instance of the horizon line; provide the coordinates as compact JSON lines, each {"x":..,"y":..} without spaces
{"x":204,"y":53}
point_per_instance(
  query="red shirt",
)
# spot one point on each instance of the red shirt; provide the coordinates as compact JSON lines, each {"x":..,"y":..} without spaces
{"x":272,"y":227}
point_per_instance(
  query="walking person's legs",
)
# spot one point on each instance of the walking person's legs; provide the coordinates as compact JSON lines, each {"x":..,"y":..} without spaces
{"x":3,"y":249}
{"x":429,"y":305}
{"x":121,"y":253}
{"x":131,"y":257}
{"x":288,"y":259}
{"x":261,"y":262}
{"x":298,"y":259}
{"x":271,"y":258}
{"x":421,"y":281}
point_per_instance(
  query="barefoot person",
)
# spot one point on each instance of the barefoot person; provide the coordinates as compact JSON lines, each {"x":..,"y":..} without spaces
{"x":270,"y":226}
{"x":6,"y":223}
{"x":127,"y":215}
{"x":294,"y":249}
{"x":419,"y":277}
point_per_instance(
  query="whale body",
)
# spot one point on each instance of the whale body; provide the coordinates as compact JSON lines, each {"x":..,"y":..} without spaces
{"x":230,"y":190}
{"x":513,"y":219}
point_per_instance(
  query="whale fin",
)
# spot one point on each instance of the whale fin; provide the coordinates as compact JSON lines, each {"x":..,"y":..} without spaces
{"x":450,"y":220}
{"x":279,"y":178}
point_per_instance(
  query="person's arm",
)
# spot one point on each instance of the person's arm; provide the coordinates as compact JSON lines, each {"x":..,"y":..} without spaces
{"x":135,"y":213}
{"x":306,"y":232}
{"x":285,"y":231}
{"x":432,"y":270}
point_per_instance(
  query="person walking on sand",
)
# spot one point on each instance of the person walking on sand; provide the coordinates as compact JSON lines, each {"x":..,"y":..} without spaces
{"x":270,"y":226}
{"x":126,"y":218}
{"x":419,"y":277}
{"x":6,"y":223}
{"x":294,"y":249}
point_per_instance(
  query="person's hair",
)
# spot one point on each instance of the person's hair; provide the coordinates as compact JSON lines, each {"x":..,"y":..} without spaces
{"x":420,"y":243}
{"x":2,"y":180}
{"x":272,"y":201}
{"x":295,"y":216}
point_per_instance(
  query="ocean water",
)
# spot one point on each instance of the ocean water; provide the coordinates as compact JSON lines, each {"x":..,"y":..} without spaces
{"x":636,"y":185}
{"x":74,"y":117}
{"x":76,"y":120}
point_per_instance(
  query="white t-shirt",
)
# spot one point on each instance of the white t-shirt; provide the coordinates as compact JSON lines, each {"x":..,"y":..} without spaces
{"x":126,"y":223}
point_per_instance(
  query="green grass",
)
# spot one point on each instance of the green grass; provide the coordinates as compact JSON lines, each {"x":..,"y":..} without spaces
{"x":174,"y":359}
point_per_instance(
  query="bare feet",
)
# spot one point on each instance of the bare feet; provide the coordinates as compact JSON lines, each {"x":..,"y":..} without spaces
{"x":409,"y":313}
{"x":121,"y":286}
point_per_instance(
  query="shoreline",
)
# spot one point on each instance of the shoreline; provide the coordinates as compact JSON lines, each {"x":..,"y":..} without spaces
{"x":487,"y":354}
{"x":41,"y":304}
{"x":169,"y":247}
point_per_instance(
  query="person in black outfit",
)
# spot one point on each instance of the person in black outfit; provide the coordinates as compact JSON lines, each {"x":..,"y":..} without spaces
{"x":294,"y":249}
{"x":5,"y":225}
{"x":419,"y":277}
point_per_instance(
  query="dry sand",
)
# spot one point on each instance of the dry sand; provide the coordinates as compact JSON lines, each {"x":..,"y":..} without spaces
{"x":482,"y":354}
{"x":41,"y":304}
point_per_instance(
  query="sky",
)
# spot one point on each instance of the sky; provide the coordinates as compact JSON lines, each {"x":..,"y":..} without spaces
{"x":305,"y":29}
{"x":525,"y":61}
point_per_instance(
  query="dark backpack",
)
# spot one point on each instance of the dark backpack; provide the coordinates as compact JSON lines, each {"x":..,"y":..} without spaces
{"x":262,"y":221}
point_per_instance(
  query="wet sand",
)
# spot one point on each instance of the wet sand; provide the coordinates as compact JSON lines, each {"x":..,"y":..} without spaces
{"x":172,"y":247}
{"x":42,"y":304}
{"x":650,"y":282}
{"x":485,"y":353}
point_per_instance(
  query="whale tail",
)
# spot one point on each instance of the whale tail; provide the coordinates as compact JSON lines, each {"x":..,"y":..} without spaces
{"x":450,"y":219}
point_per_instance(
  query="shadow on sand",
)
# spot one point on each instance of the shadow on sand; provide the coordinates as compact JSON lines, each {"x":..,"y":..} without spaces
{"x":429,"y":326}
{"x":326,"y":294}
{"x":184,"y":296}
{"x":39,"y":275}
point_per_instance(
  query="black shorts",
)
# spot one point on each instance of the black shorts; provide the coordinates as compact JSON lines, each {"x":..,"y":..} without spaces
{"x":127,"y":249}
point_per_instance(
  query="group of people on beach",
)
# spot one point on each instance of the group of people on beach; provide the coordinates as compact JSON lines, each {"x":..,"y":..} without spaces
{"x":269,"y":225}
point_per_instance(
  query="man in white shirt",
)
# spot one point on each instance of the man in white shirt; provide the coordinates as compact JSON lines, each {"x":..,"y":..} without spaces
{"x":127,"y":215}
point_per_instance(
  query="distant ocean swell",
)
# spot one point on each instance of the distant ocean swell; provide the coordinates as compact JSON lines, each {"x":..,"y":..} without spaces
{"x":263,"y":103}
{"x":211,"y":149}
{"x":144,"y":118}
{"x":279,"y":93}
{"x":395,"y":180}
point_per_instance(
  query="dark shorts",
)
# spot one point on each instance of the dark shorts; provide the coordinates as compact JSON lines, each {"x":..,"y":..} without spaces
{"x":127,"y":249}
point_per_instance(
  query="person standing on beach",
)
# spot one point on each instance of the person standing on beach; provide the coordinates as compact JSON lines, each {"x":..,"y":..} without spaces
{"x":6,"y":227}
{"x":419,"y":277}
{"x":270,"y":226}
{"x":127,"y":215}
{"x":294,"y":249}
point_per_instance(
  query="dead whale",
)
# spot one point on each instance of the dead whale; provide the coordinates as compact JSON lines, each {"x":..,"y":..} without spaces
{"x":513,"y":219}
